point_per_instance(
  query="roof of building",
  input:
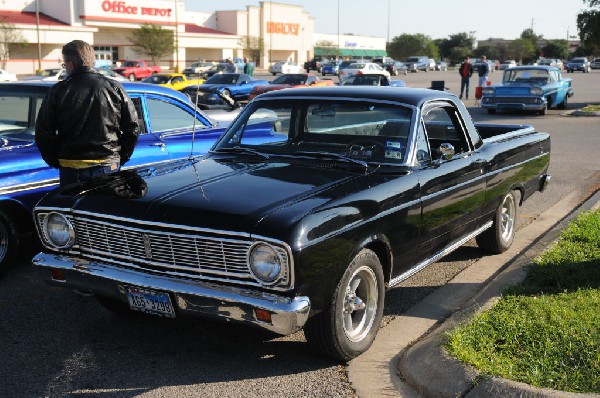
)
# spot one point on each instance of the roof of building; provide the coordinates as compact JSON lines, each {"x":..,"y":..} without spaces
{"x":191,"y":28}
{"x":28,"y":18}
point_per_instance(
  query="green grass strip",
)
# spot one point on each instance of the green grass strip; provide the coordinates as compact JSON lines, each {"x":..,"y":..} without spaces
{"x":546,"y":331}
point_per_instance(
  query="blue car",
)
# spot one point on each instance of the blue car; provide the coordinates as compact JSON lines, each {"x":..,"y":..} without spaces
{"x":234,"y":85}
{"x":168,"y":122}
{"x":330,"y":68}
{"x":528,"y":88}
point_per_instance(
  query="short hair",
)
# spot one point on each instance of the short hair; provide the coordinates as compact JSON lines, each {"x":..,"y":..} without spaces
{"x":79,"y":53}
{"x":483,"y":57}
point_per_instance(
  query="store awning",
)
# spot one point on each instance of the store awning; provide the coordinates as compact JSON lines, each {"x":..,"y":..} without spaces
{"x":347,"y":52}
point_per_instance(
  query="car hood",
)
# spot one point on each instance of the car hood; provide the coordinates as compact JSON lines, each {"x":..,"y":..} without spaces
{"x":213,"y":193}
{"x":7,"y":144}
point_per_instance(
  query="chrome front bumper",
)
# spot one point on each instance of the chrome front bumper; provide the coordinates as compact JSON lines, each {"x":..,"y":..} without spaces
{"x":189,"y":297}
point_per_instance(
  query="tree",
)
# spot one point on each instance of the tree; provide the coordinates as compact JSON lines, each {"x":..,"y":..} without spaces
{"x":253,"y":47}
{"x":331,"y":49}
{"x":152,"y":41}
{"x":556,"y":49}
{"x":448,"y":46}
{"x":405,"y":45}
{"x":521,"y":49}
{"x":588,"y":24}
{"x":11,"y":39}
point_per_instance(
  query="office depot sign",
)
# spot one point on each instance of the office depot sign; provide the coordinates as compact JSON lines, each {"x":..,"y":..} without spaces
{"x":131,"y":10}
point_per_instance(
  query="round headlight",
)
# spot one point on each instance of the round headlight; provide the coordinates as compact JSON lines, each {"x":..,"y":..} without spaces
{"x":265,"y":263}
{"x":535,"y":91}
{"x":59,"y":230}
{"x":487,"y":91}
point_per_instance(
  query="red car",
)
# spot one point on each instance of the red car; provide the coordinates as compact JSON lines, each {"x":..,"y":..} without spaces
{"x":291,"y":80}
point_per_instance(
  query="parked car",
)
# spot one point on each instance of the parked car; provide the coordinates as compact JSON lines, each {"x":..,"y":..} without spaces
{"x":219,"y":68}
{"x":330,"y":68}
{"x":550,"y":62}
{"x":167,"y":119}
{"x":344,"y":65}
{"x":110,"y":73}
{"x":579,"y":64}
{"x":236,"y":86}
{"x":595,"y":64}
{"x":362,"y":67}
{"x":197,"y":68}
{"x":528,"y":88}
{"x":354,"y":190}
{"x":442,"y":66}
{"x":395,"y":68}
{"x":418,"y":63}
{"x":315,"y":64}
{"x":509,"y":63}
{"x":367,"y":80}
{"x":48,"y":75}
{"x":137,"y":69}
{"x":290,"y":80}
{"x":176,"y":81}
{"x":285,"y":67}
{"x":6,"y":76}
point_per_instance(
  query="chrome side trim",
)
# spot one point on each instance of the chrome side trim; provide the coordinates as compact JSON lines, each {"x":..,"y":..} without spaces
{"x":444,"y":252}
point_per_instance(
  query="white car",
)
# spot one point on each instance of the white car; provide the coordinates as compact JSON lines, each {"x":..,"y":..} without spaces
{"x":362,"y":68}
{"x":7,"y":76}
{"x":54,"y":74}
{"x":286,"y":67}
{"x":509,"y":63}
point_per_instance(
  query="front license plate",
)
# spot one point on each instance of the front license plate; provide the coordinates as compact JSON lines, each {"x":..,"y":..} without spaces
{"x":150,"y":301}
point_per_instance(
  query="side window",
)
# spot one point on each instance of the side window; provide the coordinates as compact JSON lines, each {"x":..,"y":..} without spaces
{"x":137,"y":102}
{"x":165,"y":116}
{"x":14,"y":114}
{"x":422,"y":147}
{"x":442,"y":126}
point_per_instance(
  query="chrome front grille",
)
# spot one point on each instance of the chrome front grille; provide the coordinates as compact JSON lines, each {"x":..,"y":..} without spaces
{"x":170,"y":250}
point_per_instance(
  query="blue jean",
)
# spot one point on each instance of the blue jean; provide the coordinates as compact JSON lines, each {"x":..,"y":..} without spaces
{"x":464,"y":84}
{"x":69,"y":175}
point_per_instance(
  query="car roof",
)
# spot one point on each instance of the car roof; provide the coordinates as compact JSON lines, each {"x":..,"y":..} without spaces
{"x":538,"y":67}
{"x":38,"y":86}
{"x":411,"y":96}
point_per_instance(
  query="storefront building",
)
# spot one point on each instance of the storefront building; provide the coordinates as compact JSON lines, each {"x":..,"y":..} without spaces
{"x":280,"y":31}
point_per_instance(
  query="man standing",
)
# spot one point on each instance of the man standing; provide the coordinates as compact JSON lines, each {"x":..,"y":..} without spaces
{"x":249,"y":67}
{"x":465,"y":71}
{"x":231,"y":68}
{"x":87,"y":126}
{"x":483,"y":71}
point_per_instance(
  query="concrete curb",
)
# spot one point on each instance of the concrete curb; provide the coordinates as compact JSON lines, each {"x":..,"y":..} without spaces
{"x":428,"y":368}
{"x":388,"y":369}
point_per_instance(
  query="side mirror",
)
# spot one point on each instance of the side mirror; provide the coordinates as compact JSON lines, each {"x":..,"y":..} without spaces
{"x":446,"y":151}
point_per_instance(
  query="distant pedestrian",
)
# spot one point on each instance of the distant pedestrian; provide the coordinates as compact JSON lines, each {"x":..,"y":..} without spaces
{"x":483,"y":71}
{"x":231,"y":68}
{"x":465,"y":71}
{"x":249,"y":67}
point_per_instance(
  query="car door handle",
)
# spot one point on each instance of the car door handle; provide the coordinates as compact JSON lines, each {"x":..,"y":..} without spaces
{"x":162,"y":144}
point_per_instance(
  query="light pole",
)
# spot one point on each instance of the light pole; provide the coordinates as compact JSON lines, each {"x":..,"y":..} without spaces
{"x":37,"y":23}
{"x":177,"y":68}
{"x":338,"y":26}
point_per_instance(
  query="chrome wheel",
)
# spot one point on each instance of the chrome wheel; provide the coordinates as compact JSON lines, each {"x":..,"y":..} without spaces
{"x":507,"y":218}
{"x":360,"y":304}
{"x":4,"y":241}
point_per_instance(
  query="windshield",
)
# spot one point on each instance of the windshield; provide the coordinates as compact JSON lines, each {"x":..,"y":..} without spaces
{"x":577,"y":61}
{"x":290,"y":79}
{"x":157,"y":79}
{"x":525,"y":76}
{"x":129,"y":64}
{"x":358,"y":130}
{"x":228,"y":78}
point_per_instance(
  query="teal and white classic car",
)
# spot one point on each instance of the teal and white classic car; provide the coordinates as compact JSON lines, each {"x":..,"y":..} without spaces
{"x":528,"y":88}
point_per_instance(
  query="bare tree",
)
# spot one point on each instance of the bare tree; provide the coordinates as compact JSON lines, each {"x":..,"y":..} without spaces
{"x":252,"y":46}
{"x":10,"y":40}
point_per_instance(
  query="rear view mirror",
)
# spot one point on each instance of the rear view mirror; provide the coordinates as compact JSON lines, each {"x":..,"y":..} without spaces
{"x":323,"y":112}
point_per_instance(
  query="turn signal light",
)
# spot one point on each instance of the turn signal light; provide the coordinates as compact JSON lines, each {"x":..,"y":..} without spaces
{"x":58,"y":275}
{"x":262,"y":315}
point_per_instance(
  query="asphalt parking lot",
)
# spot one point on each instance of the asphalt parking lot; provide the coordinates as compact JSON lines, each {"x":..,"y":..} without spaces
{"x":56,"y":343}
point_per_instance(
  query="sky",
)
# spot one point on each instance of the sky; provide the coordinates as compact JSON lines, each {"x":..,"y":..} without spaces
{"x":507,"y":19}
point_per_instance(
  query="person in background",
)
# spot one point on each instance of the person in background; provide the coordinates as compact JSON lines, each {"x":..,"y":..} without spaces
{"x":483,"y":71}
{"x":249,"y":67}
{"x":465,"y":71}
{"x":87,"y":125}
{"x":231,"y":68}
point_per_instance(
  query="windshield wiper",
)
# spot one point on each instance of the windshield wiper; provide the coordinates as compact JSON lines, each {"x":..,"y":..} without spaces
{"x":243,"y":150}
{"x":332,"y":155}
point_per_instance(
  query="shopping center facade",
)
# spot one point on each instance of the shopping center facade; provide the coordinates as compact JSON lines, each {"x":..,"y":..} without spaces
{"x":286,"y":31}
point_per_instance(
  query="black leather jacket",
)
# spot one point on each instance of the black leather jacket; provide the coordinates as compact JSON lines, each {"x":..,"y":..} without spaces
{"x":86,"y":117}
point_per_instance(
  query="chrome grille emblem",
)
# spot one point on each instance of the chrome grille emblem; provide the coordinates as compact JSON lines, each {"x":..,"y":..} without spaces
{"x":147,"y":246}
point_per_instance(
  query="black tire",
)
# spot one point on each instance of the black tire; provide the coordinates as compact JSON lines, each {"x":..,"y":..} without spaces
{"x":543,"y":111}
{"x":500,"y":236}
{"x":131,"y":77}
{"x":349,"y":326}
{"x":9,"y":241}
{"x":114,"y":305}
